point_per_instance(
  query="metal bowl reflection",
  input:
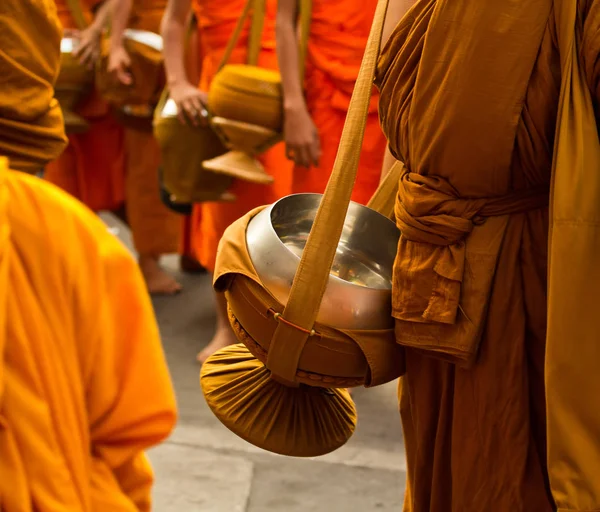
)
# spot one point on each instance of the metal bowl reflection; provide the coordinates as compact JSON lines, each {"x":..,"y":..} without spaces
{"x":358,"y":295}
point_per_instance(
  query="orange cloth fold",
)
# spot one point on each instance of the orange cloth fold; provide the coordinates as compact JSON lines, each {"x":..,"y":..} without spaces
{"x":337,"y":40}
{"x":84,"y":386}
{"x":31,"y":123}
{"x":215,"y":22}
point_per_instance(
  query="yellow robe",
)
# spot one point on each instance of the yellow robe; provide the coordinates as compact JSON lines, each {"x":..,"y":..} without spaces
{"x":84,"y":387}
{"x":31,"y":126}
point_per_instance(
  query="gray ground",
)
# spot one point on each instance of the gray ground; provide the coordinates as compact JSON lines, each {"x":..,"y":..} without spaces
{"x":205,"y":468}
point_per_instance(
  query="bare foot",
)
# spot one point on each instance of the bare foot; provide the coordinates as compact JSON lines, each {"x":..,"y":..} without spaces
{"x":157,"y":280}
{"x":222,"y":338}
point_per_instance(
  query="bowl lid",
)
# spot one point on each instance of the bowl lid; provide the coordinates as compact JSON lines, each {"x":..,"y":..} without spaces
{"x":145,"y":37}
{"x":250,"y":80}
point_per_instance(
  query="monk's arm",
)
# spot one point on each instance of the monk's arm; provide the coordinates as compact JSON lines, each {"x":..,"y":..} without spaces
{"x":172,"y":29}
{"x":120,"y":13}
{"x":396,"y":11}
{"x":102,"y":14}
{"x":287,"y":53}
{"x":190,"y":101}
{"x":301,"y":136}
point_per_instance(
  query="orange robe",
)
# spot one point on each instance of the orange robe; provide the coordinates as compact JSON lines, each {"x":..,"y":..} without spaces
{"x":84,"y":385}
{"x":155,"y":229}
{"x":92,"y":168}
{"x":338,"y":36}
{"x":469,"y":98}
{"x":216,"y":21}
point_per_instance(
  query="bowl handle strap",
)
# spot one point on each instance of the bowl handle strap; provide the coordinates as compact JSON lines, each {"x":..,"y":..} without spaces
{"x":312,"y":275}
{"x":384,"y":198}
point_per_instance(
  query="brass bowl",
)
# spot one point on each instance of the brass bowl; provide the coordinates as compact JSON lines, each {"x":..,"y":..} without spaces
{"x":247,"y":94}
{"x":147,"y":71}
{"x":358,"y":295}
{"x":184,"y":148}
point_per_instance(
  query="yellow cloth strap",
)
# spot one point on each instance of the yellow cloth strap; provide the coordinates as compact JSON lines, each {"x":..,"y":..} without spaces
{"x":77,"y":12}
{"x":258,"y":8}
{"x":313,"y":271}
{"x":384,"y":199}
{"x":572,"y":347}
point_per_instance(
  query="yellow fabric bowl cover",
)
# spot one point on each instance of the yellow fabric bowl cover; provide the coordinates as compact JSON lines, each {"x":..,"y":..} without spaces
{"x":298,"y":422}
{"x":248,"y":94}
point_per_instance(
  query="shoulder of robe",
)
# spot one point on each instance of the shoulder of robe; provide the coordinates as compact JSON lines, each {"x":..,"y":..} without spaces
{"x":49,"y":223}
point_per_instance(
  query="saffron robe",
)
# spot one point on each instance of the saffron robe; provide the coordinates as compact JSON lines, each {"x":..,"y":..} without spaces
{"x":469,"y":99}
{"x":155,"y":229}
{"x":337,"y":40}
{"x":216,"y":21}
{"x":92,"y":167}
{"x":84,"y":386}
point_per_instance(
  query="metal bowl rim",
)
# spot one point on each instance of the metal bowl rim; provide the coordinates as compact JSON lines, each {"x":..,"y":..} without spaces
{"x":336,"y":279}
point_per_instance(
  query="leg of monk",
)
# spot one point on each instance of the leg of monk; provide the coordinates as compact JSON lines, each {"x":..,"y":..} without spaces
{"x":223,"y":334}
{"x":188,"y":261}
{"x":155,"y":229}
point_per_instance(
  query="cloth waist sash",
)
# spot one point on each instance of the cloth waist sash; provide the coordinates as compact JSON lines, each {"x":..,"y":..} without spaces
{"x":446,"y":262}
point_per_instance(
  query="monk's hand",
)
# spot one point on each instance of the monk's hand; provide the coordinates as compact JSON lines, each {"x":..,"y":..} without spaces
{"x":302,"y":144}
{"x":191,"y":103}
{"x":88,"y":49}
{"x":118,"y":65}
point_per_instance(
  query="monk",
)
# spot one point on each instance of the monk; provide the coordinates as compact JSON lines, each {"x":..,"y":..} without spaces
{"x":216,"y":21}
{"x":155,"y":229}
{"x":315,"y":114}
{"x":92,"y":168}
{"x":84,"y":386}
{"x":469,"y":96}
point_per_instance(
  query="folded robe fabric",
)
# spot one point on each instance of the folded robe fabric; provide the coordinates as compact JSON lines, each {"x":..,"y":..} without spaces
{"x":31,"y":122}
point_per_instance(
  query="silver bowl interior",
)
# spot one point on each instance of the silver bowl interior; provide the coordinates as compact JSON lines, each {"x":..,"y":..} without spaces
{"x":367,"y":247}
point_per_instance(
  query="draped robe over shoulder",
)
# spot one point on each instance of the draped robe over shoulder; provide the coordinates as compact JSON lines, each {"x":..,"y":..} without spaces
{"x":337,"y":41}
{"x":216,"y":21}
{"x":31,"y":124}
{"x":469,"y":98}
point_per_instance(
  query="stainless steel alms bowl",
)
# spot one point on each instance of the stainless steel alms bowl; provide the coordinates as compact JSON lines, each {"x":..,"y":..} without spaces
{"x":358,"y":295}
